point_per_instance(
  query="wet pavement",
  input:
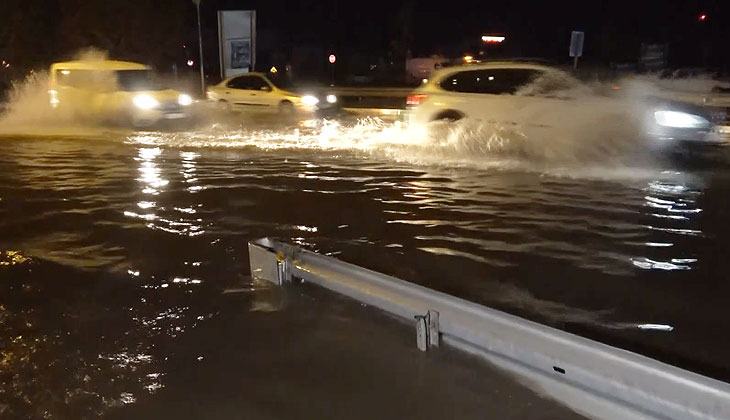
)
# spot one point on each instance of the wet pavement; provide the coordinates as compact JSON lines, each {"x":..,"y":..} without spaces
{"x":307,"y":354}
{"x":123,"y":261}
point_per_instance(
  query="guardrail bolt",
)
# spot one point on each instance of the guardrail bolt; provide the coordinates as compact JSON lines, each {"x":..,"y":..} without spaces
{"x":421,"y":332}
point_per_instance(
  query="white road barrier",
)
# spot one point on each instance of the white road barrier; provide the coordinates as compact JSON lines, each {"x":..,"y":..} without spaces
{"x":595,"y":379}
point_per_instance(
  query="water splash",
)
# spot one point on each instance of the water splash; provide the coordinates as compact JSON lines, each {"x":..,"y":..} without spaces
{"x":589,"y":131}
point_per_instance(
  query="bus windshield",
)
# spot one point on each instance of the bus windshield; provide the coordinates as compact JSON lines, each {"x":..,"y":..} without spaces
{"x":135,"y":80}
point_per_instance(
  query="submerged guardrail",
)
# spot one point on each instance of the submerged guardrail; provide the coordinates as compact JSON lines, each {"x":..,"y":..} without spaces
{"x":595,"y":379}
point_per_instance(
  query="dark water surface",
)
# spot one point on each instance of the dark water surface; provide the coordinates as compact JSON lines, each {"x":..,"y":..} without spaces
{"x":114,"y":250}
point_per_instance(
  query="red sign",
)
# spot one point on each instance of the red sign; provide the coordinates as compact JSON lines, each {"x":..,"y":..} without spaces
{"x":332,"y":59}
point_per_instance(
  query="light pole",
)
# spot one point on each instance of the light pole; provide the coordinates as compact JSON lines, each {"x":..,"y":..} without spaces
{"x":200,"y":47}
{"x":332,"y":59}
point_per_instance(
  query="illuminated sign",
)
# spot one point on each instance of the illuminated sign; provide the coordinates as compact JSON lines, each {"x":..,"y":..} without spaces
{"x":493,"y":39}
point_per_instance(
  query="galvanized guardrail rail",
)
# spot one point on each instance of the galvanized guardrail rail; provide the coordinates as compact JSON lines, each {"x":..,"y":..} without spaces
{"x":595,"y":379}
{"x":386,"y":103}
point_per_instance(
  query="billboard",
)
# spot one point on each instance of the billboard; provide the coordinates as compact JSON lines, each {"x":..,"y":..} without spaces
{"x":236,"y":41}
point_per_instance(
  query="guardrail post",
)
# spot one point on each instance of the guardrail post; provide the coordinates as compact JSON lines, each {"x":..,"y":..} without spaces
{"x":432,"y":318}
{"x":427,"y":330}
{"x":283,"y":266}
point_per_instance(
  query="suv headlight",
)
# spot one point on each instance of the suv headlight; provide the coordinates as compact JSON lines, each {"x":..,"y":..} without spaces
{"x":184,"y":99}
{"x":677,"y":119}
{"x":145,"y":102}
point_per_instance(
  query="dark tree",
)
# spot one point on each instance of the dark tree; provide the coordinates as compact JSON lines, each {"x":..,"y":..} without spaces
{"x":34,"y":34}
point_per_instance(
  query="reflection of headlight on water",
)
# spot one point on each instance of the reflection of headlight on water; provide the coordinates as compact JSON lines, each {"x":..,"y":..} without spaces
{"x":309,"y":100}
{"x":145,"y":102}
{"x":331,"y":99}
{"x":184,"y":100}
{"x":676,"y":119}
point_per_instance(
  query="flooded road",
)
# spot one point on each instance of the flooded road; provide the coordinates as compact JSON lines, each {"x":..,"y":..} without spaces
{"x":116,"y":247}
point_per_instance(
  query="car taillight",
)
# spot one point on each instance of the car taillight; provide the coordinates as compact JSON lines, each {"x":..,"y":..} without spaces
{"x":415,"y":100}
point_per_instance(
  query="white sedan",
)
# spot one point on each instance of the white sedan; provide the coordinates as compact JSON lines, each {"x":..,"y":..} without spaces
{"x":256,"y":92}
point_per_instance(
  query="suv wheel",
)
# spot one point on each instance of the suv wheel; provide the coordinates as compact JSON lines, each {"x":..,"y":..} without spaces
{"x":448,"y":116}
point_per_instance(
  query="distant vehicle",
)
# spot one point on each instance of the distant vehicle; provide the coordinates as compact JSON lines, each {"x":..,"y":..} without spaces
{"x":257,"y":92}
{"x":699,"y":93}
{"x":539,"y":100}
{"x":118,"y":91}
{"x":418,"y":69}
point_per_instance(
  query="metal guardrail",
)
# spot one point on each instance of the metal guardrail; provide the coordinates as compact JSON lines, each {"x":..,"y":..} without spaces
{"x":384,"y":113}
{"x":380,"y":101}
{"x":595,"y":379}
{"x":372,"y":91}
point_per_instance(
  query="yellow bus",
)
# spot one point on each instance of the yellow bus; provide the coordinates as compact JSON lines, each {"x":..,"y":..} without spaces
{"x":118,"y":91}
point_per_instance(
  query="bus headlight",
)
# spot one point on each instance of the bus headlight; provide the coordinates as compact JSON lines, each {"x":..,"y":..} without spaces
{"x":184,"y":99}
{"x":309,"y":100}
{"x":53,"y":98}
{"x":145,"y":102}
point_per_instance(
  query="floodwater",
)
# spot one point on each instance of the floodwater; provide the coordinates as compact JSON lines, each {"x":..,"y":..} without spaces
{"x":118,"y":248}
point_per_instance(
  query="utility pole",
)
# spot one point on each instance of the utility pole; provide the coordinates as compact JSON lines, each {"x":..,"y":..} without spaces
{"x":200,"y":47}
{"x":332,"y":59}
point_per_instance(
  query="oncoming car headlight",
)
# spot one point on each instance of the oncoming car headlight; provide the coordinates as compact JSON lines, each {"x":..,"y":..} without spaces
{"x":677,"y":119}
{"x":145,"y":102}
{"x":184,"y":99}
{"x":309,"y":100}
{"x":331,"y":99}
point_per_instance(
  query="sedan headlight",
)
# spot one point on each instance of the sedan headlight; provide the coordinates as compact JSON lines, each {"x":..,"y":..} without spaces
{"x":331,"y":99}
{"x":184,"y":100}
{"x":677,"y":119}
{"x":309,"y":100}
{"x":145,"y":102}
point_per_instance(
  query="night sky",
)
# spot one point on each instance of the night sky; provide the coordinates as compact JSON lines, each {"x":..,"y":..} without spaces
{"x":614,"y":29}
{"x":33,"y":34}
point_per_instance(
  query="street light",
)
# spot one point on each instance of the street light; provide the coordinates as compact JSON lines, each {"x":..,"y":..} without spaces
{"x":200,"y":46}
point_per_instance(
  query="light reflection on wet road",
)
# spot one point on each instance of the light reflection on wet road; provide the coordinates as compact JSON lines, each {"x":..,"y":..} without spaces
{"x":114,"y":249}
